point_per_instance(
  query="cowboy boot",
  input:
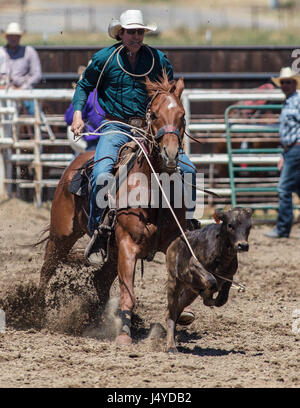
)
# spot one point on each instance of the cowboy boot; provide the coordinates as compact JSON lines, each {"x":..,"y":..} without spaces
{"x":96,"y":251}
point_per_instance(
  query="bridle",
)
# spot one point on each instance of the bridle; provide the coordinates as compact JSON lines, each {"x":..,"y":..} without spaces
{"x":163,"y":130}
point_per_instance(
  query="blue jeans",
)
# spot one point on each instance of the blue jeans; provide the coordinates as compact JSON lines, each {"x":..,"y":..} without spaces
{"x":29,"y":105}
{"x":91,"y":145}
{"x":106,"y":155}
{"x":289,"y":182}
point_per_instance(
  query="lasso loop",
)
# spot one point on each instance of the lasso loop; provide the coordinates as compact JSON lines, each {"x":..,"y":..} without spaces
{"x":132,"y":74}
{"x":117,"y":51}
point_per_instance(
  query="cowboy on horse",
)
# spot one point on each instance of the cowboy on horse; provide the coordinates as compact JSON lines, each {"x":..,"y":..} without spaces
{"x":119,"y":73}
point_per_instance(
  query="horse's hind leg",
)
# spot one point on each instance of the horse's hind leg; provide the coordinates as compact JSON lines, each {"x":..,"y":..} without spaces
{"x":64,"y":232}
{"x":57,"y":250}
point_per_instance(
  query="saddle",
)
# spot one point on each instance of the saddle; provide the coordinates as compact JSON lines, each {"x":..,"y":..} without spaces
{"x":80,"y":185}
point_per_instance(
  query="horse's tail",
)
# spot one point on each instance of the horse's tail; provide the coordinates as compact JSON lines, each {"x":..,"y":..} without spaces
{"x":41,"y":241}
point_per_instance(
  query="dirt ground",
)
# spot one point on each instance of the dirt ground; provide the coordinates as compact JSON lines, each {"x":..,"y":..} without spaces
{"x":251,"y":342}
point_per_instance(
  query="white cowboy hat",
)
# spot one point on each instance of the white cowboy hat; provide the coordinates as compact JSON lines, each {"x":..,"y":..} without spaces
{"x":13,"y":29}
{"x":129,"y":19}
{"x":287,"y":73}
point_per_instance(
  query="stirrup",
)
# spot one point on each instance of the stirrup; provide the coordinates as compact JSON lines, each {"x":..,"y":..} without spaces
{"x":96,"y":250}
{"x":108,"y":223}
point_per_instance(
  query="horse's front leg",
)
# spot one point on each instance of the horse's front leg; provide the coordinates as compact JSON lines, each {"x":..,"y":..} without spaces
{"x":126,"y":270}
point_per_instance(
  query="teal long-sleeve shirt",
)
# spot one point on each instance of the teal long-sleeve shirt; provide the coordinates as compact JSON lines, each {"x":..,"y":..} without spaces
{"x":119,"y":94}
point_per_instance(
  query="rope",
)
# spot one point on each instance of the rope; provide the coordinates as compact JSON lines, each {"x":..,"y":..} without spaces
{"x":137,"y":75}
{"x":100,"y":76}
{"x":117,"y":51}
{"x":141,"y":132}
{"x":190,"y":137}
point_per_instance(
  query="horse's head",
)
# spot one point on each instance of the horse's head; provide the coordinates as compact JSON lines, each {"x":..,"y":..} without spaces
{"x":165,"y":117}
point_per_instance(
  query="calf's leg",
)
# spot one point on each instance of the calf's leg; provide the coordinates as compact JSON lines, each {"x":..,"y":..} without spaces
{"x":178,"y":298}
{"x":174,"y":289}
{"x":222,"y":297}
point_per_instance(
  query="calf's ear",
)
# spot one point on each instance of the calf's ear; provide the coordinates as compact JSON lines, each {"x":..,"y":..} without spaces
{"x":219,"y":215}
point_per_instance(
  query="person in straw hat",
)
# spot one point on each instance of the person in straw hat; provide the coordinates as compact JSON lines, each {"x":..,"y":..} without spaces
{"x":20,"y":66}
{"x":118,"y":72}
{"x":289,"y":164}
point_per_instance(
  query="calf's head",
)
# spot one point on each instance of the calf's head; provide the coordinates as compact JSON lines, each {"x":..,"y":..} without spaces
{"x":236,"y":226}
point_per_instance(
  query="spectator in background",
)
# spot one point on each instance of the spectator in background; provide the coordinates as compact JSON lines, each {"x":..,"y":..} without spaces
{"x":20,"y":66}
{"x":92,"y":119}
{"x":289,"y":164}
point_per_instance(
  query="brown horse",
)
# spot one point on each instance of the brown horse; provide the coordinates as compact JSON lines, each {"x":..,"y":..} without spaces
{"x":138,"y":231}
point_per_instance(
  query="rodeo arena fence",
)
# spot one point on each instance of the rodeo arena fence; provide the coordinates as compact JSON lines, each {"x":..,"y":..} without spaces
{"x":34,"y":151}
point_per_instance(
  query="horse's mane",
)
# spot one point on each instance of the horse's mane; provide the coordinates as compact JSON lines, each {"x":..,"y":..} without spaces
{"x":163,"y":85}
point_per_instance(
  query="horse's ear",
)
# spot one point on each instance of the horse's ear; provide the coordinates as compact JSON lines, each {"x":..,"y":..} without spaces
{"x":179,"y":87}
{"x":149,"y":86}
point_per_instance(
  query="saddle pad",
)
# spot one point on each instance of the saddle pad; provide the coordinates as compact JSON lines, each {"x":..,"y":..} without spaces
{"x":79,"y":184}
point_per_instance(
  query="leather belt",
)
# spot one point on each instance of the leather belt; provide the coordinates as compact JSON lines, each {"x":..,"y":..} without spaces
{"x":133,"y":121}
{"x":286,"y":148}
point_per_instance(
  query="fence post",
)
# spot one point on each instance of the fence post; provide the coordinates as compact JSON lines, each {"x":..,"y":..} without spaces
{"x":92,"y":19}
{"x":23,"y":14}
{"x":254,"y":17}
{"x":68,"y":19}
{"x":186,"y":106}
{"x":37,"y":154}
{"x":2,"y":321}
{"x":3,"y":193}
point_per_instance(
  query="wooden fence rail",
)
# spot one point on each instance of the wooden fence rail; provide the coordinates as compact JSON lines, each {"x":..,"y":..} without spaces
{"x":15,"y":150}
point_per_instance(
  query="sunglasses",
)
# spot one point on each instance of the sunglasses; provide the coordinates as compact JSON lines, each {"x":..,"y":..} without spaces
{"x":288,"y":82}
{"x":140,"y":31}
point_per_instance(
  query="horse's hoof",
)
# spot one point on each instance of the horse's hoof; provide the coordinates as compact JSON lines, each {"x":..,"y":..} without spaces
{"x":187,"y":317}
{"x":123,"y":340}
